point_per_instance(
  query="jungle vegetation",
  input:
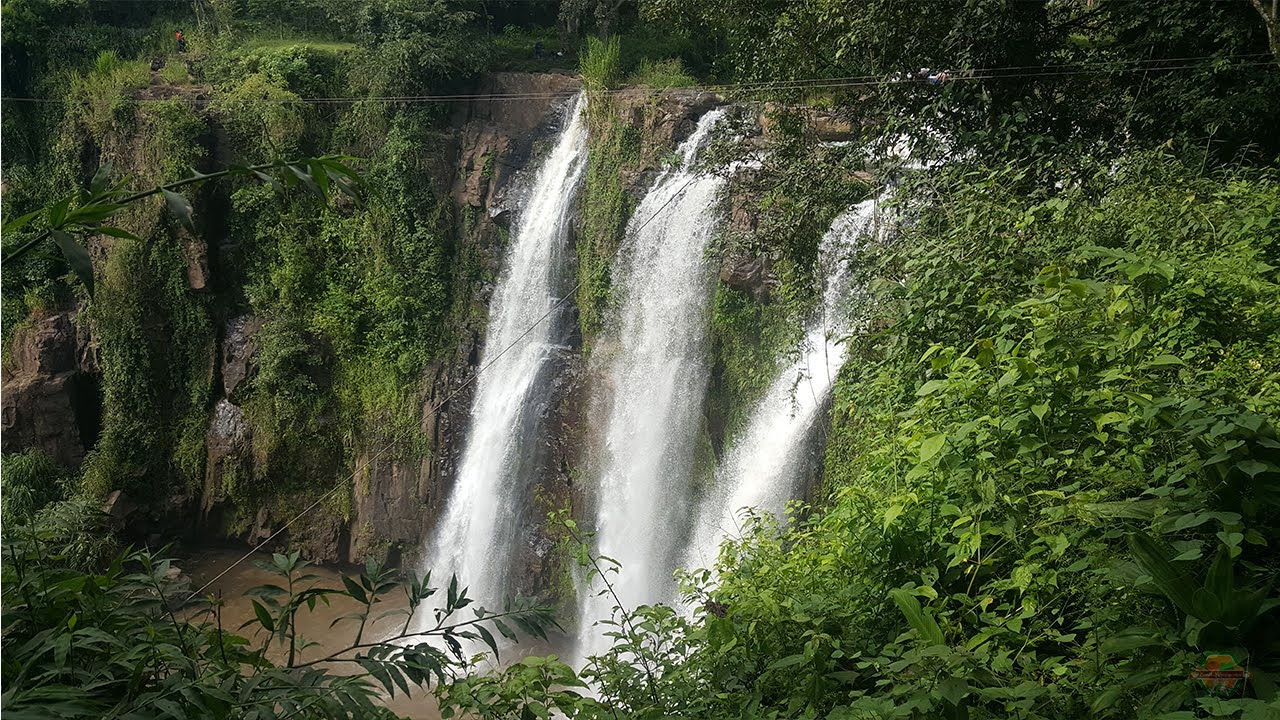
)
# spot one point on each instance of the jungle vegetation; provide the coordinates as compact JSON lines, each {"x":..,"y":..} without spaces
{"x":1052,"y":474}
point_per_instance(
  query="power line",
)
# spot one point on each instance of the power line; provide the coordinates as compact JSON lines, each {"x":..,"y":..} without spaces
{"x":992,"y":73}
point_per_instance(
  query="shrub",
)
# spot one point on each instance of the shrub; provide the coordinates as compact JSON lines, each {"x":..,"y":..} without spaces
{"x":28,"y":482}
{"x":661,"y":74}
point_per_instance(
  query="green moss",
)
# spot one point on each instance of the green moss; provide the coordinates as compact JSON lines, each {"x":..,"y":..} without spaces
{"x":748,"y":340}
{"x":156,"y":352}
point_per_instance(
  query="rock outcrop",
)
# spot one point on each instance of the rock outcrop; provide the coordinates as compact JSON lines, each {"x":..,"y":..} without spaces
{"x":51,"y":399}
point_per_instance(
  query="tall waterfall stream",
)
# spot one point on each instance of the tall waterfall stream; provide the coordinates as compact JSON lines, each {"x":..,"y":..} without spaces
{"x":656,"y":378}
{"x":477,"y":533}
{"x":763,"y":467}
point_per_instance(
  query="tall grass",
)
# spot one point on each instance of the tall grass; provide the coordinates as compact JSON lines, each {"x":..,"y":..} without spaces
{"x":106,"y":87}
{"x":661,"y":74}
{"x":601,"y":64}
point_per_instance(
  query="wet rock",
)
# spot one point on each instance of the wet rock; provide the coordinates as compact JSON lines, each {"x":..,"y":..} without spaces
{"x":666,"y":117}
{"x":748,"y":274}
{"x":228,"y":455}
{"x":238,"y":348}
{"x":320,"y":537}
{"x":118,"y":506}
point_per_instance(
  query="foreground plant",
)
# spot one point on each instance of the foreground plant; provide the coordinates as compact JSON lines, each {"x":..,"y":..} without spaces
{"x":124,"y":642}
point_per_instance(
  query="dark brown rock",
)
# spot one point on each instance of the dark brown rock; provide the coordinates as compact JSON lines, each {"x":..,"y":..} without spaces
{"x":118,"y":506}
{"x":238,"y":348}
{"x":49,"y":401}
{"x":46,"y":346}
{"x":748,"y":274}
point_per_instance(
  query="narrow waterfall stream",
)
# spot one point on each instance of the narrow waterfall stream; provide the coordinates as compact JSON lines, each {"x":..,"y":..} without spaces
{"x":478,"y":531}
{"x":656,"y":381}
{"x":763,"y":466}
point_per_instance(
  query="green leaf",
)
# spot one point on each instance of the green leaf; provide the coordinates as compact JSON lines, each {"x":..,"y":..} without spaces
{"x":354,"y":590}
{"x":932,"y":445}
{"x":270,"y":180}
{"x":77,"y":257}
{"x":953,"y":690}
{"x":931,"y":387}
{"x":1040,"y":410}
{"x":891,"y":514}
{"x":1153,"y":558}
{"x":117,"y":232}
{"x":320,"y":175}
{"x":919,"y":618}
{"x":264,"y":617}
{"x":1131,"y":639}
{"x":488,"y":640}
{"x":18,"y":223}
{"x":101,"y":178}
{"x":57,"y":212}
{"x":1221,"y":578}
{"x":181,"y":208}
{"x":787,"y":661}
{"x":1252,"y":467}
{"x":1208,"y":607}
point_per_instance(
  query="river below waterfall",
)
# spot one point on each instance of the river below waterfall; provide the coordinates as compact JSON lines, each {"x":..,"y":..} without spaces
{"x":314,"y":626}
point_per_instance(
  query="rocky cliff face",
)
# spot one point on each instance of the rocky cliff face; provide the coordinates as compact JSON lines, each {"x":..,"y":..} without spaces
{"x":51,"y":398}
{"x":397,"y":492}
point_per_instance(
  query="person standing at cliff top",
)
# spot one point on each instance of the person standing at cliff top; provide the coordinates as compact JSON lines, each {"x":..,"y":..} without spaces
{"x":182,"y":41}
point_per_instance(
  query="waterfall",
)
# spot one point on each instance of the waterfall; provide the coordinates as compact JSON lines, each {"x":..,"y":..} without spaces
{"x":479,"y":529}
{"x":656,"y":382}
{"x":763,"y":467}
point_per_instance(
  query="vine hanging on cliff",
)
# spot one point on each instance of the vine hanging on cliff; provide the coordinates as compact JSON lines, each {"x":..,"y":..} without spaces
{"x":85,"y":213}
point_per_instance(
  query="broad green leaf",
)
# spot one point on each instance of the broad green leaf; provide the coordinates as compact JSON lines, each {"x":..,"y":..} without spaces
{"x":181,"y":208}
{"x":1221,"y":578}
{"x":931,"y":387}
{"x":101,"y":179}
{"x":263,"y":616}
{"x":920,"y":619}
{"x":891,"y":514}
{"x":77,"y":257}
{"x":932,"y":445}
{"x":787,"y":661}
{"x":1252,"y":467}
{"x":18,"y":223}
{"x":1154,"y":559}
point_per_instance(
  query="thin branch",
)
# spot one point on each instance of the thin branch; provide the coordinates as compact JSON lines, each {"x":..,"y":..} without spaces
{"x":439,"y":629}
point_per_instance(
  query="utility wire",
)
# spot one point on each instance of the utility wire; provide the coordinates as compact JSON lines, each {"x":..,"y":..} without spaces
{"x":991,"y":73}
{"x":470,"y":379}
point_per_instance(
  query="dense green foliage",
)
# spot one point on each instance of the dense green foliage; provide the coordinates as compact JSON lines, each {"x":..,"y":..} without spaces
{"x":354,"y":302}
{"x":1051,"y":471}
{"x":126,"y":640}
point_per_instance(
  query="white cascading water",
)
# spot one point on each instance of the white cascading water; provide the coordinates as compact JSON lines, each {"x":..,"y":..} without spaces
{"x":656,"y":381}
{"x":477,"y":533}
{"x":763,"y":466}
